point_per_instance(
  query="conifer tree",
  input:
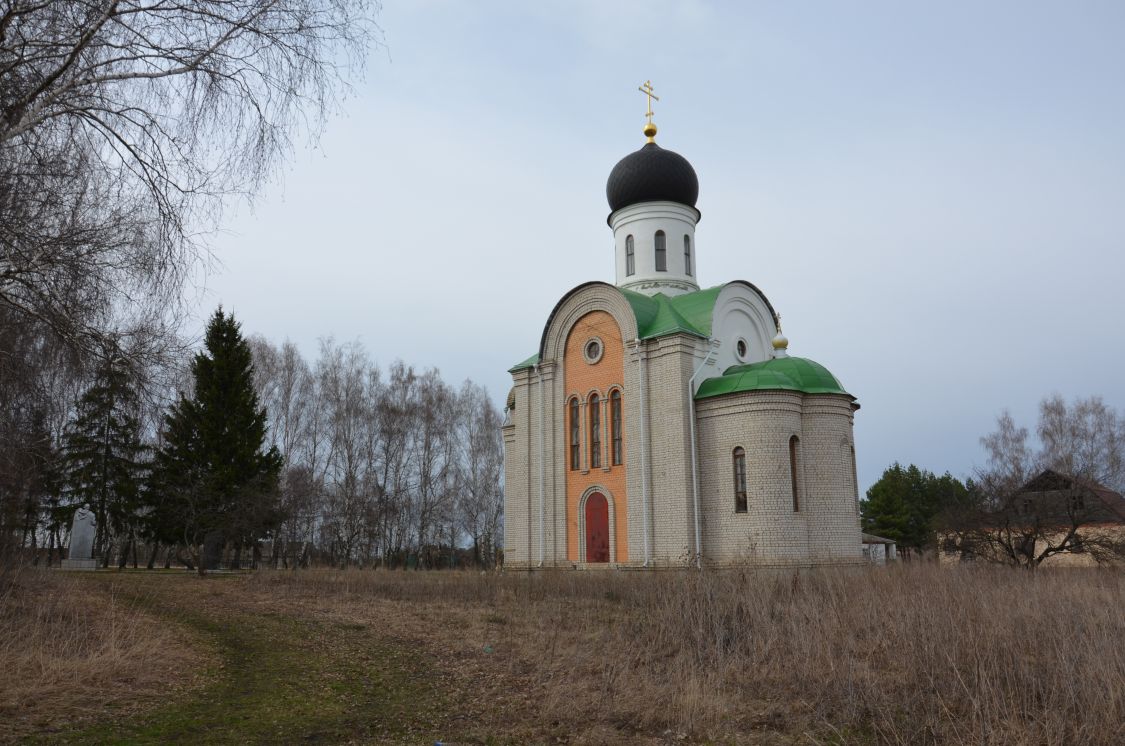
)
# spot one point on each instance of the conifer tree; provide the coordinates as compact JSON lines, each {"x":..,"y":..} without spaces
{"x":905,"y":501}
{"x":104,"y":458}
{"x":215,"y":479}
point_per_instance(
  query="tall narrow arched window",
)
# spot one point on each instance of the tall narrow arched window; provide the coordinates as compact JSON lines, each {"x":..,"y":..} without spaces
{"x":687,"y":255}
{"x":595,"y":431}
{"x":739,"y":480}
{"x":575,"y":435}
{"x":794,"y":471}
{"x":615,"y":426}
{"x":855,"y":479}
{"x":630,"y":262}
{"x":661,"y":252}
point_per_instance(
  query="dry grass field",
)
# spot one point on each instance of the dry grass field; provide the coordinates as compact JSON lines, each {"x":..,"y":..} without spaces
{"x":70,"y":655}
{"x":912,"y":654}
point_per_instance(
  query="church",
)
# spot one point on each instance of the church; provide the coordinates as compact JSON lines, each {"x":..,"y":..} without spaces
{"x":664,"y":425}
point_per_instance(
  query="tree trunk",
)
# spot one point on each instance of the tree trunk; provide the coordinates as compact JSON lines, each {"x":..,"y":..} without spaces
{"x":236,"y":561}
{"x":152,"y":554}
{"x":50,"y":547}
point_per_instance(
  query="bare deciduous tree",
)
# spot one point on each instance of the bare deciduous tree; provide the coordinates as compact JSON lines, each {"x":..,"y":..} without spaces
{"x":380,"y":468}
{"x":481,"y":503}
{"x":125,"y":123}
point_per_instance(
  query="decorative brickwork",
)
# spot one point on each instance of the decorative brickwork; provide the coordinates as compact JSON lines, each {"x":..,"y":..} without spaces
{"x":581,"y":379}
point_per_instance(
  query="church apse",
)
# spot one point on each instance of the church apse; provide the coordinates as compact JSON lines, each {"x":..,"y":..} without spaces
{"x":593,"y":436}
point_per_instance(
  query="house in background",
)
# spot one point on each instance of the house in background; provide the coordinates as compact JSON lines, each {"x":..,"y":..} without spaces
{"x":1062,"y":519}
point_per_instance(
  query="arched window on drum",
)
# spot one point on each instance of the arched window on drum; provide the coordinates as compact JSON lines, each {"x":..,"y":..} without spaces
{"x":661,"y":252}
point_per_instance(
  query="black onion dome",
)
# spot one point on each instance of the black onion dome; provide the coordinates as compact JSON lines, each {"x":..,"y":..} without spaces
{"x":652,"y":174}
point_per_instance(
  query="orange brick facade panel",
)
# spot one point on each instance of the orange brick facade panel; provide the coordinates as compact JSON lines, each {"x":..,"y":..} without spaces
{"x":583,"y":377}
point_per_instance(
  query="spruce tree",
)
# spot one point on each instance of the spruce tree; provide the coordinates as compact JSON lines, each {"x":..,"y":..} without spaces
{"x":215,"y":480}
{"x":104,"y":458}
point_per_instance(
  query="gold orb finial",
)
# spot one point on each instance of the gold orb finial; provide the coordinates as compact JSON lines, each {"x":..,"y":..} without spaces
{"x":650,"y":132}
{"x":780,"y":342}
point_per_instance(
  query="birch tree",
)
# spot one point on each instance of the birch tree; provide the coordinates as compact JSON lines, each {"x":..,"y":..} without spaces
{"x":125,"y":124}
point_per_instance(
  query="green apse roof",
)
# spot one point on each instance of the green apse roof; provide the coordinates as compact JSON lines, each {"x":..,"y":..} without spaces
{"x":784,"y":373}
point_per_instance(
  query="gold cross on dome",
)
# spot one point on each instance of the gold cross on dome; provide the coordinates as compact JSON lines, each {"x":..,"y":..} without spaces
{"x":646,"y":89}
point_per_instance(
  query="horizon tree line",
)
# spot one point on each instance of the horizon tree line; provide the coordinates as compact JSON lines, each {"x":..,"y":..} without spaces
{"x":265,"y":454}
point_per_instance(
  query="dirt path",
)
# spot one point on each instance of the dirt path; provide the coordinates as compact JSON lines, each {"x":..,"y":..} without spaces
{"x":283,"y":676}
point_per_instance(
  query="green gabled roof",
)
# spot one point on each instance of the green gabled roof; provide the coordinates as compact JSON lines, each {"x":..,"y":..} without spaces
{"x":658,"y":315}
{"x":785,"y":374}
{"x":698,"y":307}
{"x":529,"y":363}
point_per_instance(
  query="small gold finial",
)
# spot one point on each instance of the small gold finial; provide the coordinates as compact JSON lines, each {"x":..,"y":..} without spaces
{"x":780,"y":342}
{"x":650,"y":128}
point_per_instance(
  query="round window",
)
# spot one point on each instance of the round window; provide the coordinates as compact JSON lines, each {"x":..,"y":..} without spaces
{"x":741,"y":349}
{"x":593,"y":351}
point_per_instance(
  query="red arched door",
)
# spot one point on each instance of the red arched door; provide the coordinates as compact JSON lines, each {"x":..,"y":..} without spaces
{"x":597,"y":528}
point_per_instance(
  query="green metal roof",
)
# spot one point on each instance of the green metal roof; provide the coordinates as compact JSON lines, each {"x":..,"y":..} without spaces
{"x":785,"y":373}
{"x":659,"y":315}
{"x":529,"y":363}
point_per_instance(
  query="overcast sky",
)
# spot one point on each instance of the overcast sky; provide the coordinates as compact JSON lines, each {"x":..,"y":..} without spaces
{"x":933,"y":198}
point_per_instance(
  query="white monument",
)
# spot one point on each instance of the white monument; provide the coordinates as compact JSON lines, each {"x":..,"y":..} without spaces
{"x":80,"y":556}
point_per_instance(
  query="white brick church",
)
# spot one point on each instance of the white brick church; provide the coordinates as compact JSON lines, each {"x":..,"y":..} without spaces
{"x":663,"y":425}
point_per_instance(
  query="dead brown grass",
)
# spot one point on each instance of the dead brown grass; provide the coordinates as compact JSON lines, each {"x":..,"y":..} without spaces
{"x":912,"y":654}
{"x":73,"y":651}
